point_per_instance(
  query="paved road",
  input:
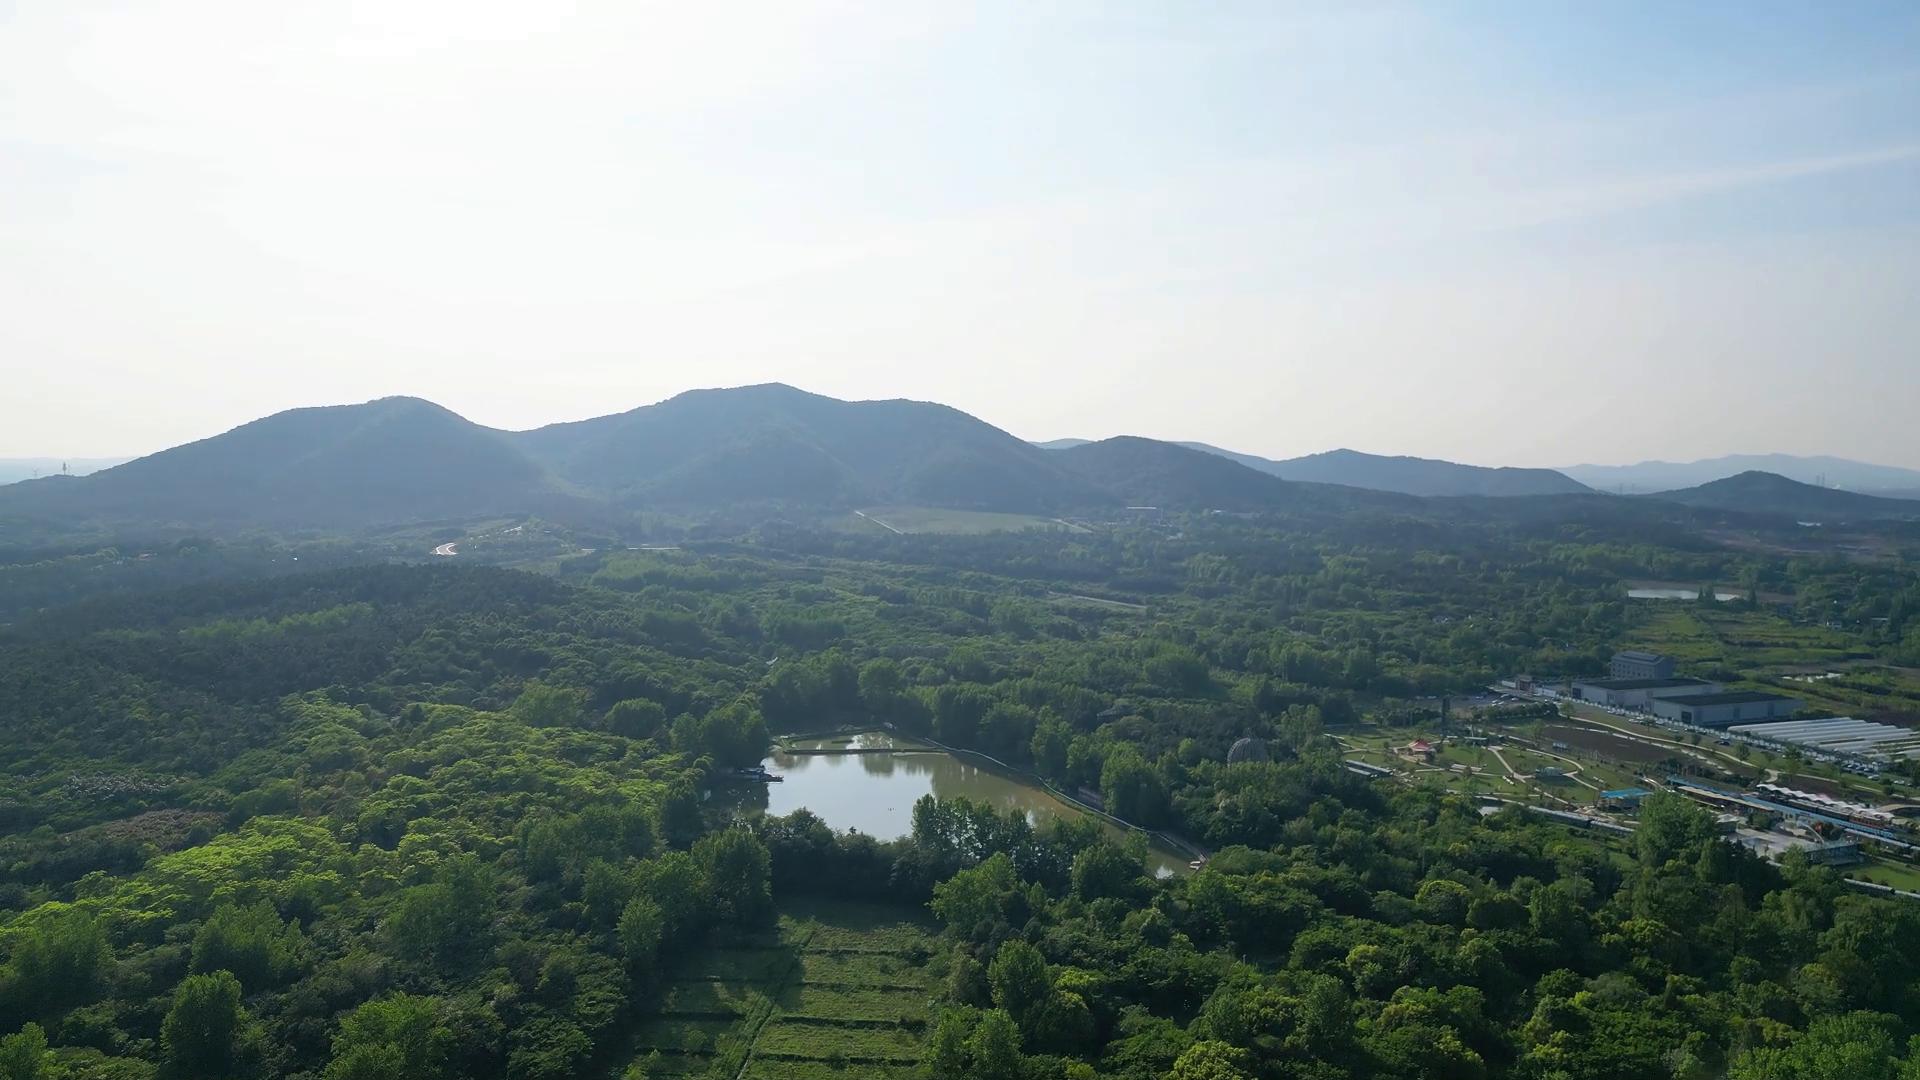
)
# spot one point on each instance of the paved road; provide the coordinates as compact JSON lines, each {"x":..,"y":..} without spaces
{"x":446,"y":549}
{"x":878,"y":522}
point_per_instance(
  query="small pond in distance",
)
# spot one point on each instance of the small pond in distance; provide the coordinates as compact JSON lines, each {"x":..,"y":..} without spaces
{"x":870,"y":782}
{"x":1680,"y":594}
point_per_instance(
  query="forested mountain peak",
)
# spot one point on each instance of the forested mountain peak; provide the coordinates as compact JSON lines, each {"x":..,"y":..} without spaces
{"x":1376,"y":472}
{"x":1770,"y":493}
{"x":391,"y":458}
{"x":1168,"y":475}
{"x":1425,"y":476}
{"x":773,"y":441}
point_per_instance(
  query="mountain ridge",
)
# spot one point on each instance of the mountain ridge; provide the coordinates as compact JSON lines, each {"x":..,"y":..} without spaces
{"x":1426,"y":477}
{"x":1770,"y":493}
{"x":400,"y":458}
{"x":1647,"y":477}
{"x":406,"y":459}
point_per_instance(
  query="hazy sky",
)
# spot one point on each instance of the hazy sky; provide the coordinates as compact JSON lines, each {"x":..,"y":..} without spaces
{"x":1529,"y":233}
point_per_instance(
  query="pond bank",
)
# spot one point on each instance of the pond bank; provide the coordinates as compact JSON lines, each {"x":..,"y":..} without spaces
{"x":869,"y":780}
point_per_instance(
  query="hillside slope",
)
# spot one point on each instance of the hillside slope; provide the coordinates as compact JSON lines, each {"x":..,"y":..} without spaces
{"x":392,"y":459}
{"x":1148,"y":472}
{"x":774,"y":442}
{"x":1423,"y":476}
{"x":1767,"y":493}
{"x":1426,"y":477}
{"x":17,"y":469}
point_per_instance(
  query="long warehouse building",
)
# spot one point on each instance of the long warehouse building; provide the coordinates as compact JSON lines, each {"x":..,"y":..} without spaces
{"x":1639,"y":693}
{"x":1722,"y":710}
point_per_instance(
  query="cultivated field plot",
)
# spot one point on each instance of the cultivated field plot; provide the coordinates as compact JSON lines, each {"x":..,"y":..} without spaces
{"x":839,"y":991}
{"x":1763,"y":647}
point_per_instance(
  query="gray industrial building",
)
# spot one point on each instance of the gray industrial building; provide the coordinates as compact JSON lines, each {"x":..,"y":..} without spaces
{"x":1724,"y":709}
{"x":1634,"y":664}
{"x":1639,"y":693}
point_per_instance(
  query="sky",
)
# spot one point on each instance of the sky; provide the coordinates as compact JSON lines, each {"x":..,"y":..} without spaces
{"x":1537,"y":234}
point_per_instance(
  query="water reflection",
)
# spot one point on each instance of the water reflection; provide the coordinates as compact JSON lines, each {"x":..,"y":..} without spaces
{"x":1680,"y":594}
{"x":870,"y":783}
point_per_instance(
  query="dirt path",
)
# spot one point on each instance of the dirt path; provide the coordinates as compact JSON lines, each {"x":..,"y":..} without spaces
{"x":1122,"y":604}
{"x":882,"y":524}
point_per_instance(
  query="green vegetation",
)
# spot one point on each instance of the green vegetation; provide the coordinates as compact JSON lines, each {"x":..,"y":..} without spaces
{"x":836,"y":984}
{"x":453,"y":820}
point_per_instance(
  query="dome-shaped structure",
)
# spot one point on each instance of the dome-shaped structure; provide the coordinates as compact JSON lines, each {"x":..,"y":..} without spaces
{"x":1248,"y":749}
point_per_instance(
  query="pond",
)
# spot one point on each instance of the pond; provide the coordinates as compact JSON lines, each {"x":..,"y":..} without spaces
{"x":870,"y":782}
{"x":1680,"y":594}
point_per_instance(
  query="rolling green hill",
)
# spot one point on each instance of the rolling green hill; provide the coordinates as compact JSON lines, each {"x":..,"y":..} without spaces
{"x":1419,"y":476}
{"x":1147,"y":472}
{"x":404,"y":459}
{"x":774,"y":442}
{"x":1769,"y":493}
{"x":1426,"y":477}
{"x":392,"y":459}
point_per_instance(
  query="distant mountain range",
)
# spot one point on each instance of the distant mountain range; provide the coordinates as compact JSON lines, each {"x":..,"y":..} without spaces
{"x":1765,"y":492}
{"x":400,"y":460}
{"x":406,"y":459}
{"x":1148,"y":472}
{"x":1652,"y":476}
{"x":1405,"y":475}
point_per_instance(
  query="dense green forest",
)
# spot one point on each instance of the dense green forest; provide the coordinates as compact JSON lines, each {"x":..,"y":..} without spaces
{"x":384,"y":820}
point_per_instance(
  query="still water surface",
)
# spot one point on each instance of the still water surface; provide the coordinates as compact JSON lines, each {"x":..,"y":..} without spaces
{"x":874,"y":791}
{"x":1680,"y":594}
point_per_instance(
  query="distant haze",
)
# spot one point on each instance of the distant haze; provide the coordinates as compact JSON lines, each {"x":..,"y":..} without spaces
{"x":1508,"y":234}
{"x":1821,"y":470}
{"x":26,"y":468}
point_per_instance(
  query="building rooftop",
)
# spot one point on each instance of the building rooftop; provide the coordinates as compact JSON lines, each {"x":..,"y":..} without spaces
{"x":1626,"y":793}
{"x":1638,"y":654}
{"x":1731,"y":697}
{"x":1642,"y":684}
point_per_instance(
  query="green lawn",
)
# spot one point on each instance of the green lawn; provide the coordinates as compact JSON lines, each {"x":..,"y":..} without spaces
{"x":1887,"y":872}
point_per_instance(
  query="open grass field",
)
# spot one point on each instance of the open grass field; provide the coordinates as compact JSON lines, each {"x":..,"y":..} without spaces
{"x":922,"y":519}
{"x":1693,"y":634}
{"x":837,"y":990}
{"x":1887,"y":872}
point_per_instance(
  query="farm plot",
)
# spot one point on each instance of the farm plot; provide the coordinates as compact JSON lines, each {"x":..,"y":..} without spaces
{"x":838,"y":991}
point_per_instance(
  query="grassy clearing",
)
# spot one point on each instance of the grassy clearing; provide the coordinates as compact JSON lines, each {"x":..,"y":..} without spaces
{"x":738,"y":965}
{"x":1764,"y":649}
{"x":850,"y":1003}
{"x":835,"y":990}
{"x":788,"y":1069}
{"x":1887,"y":872}
{"x":862,"y":969}
{"x":707,"y":999}
{"x":806,"y":1039}
{"x":1738,"y":639}
{"x":921,"y":519}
